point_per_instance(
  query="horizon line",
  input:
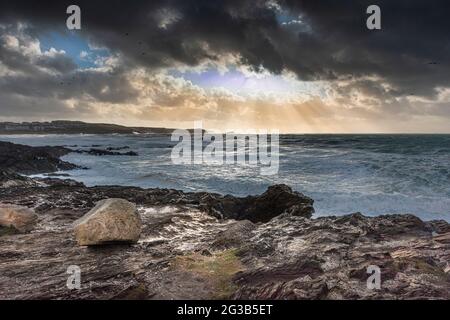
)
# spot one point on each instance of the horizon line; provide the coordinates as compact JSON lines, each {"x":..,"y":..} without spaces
{"x":231,"y":131}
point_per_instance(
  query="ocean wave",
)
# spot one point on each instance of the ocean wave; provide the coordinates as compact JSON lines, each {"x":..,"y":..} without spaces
{"x":373,"y":174}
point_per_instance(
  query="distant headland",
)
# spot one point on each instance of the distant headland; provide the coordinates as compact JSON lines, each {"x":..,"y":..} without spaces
{"x":74,"y":127}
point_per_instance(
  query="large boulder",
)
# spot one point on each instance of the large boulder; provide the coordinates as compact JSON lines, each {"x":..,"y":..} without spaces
{"x":21,"y":219}
{"x":110,"y":221}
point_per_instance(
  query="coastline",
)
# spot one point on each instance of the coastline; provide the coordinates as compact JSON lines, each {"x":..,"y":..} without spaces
{"x":201,"y":245}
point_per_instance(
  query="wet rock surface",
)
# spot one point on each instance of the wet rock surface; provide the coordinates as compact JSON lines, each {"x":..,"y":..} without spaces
{"x":186,"y":251}
{"x":328,"y":258}
{"x":22,"y":159}
{"x":276,"y":200}
{"x":10,"y":179}
{"x":33,"y":160}
{"x":107,"y":152}
{"x":206,"y":246}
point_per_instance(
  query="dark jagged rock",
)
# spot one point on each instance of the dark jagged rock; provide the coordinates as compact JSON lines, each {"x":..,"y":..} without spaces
{"x":17,"y":158}
{"x":58,"y":183}
{"x":117,"y":148}
{"x":57,"y":175}
{"x":276,"y":200}
{"x":10,"y":179}
{"x":101,"y":152}
{"x":32,"y":160}
{"x":129,"y":153}
{"x":439,"y":226}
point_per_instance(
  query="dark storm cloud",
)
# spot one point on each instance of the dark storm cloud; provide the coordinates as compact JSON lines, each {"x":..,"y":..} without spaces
{"x":111,"y":87}
{"x":411,"y":51}
{"x":58,"y":62}
{"x":328,"y":41}
{"x":13,"y":105}
{"x":54,"y":75}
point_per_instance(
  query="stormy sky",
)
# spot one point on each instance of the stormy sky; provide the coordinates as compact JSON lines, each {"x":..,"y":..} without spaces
{"x":291,"y":65}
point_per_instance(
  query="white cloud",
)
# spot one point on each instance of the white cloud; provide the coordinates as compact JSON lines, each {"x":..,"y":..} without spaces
{"x":84,"y":54}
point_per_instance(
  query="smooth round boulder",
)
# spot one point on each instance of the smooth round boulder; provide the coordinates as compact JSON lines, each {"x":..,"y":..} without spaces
{"x":110,"y":221}
{"x":20,"y":218}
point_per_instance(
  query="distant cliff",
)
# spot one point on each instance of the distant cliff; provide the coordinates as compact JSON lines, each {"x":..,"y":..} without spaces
{"x":73,"y":127}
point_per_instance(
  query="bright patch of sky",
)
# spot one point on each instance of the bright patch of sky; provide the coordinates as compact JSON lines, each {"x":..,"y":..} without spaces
{"x":285,"y":17}
{"x":293,"y":21}
{"x":77,"y":48}
{"x":241,"y":83}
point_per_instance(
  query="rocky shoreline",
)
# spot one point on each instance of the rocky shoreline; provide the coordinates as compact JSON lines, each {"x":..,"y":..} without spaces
{"x":209,"y":246}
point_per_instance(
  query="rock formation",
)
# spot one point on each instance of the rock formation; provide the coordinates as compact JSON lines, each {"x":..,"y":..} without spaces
{"x":10,"y":179}
{"x":276,"y":200}
{"x":32,"y":160}
{"x":107,"y":152}
{"x":19,"y":218}
{"x":110,"y":221}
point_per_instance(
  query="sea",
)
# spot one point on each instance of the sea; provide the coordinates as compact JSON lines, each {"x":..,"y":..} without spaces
{"x":371,"y":174}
